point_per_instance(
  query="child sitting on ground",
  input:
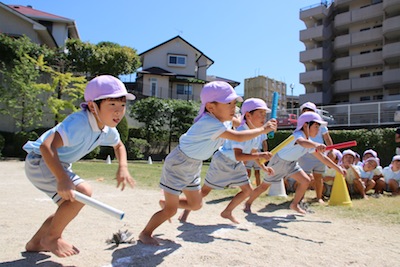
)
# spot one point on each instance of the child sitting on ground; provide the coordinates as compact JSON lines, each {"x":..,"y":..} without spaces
{"x":390,"y":181}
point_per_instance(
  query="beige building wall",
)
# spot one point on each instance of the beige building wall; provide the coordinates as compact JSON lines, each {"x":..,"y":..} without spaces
{"x":264,"y":87}
{"x":352,"y":51}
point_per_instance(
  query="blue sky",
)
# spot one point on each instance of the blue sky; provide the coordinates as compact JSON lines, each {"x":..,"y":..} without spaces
{"x":244,"y":38}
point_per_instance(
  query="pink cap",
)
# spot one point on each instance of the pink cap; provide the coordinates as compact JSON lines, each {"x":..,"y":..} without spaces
{"x":251,"y":104}
{"x":349,"y":152}
{"x":105,"y":86}
{"x":396,"y":157}
{"x":217,"y":91}
{"x":308,"y":105}
{"x":309,"y":116}
{"x":373,"y":159}
{"x":372,"y":152}
{"x":338,"y":154}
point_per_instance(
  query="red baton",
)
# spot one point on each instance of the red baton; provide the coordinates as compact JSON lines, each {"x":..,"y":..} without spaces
{"x":342,"y":145}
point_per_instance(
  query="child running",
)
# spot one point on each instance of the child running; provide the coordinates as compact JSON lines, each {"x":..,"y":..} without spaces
{"x":285,"y":164}
{"x":49,"y":160}
{"x":182,"y":167}
{"x":227,"y":168}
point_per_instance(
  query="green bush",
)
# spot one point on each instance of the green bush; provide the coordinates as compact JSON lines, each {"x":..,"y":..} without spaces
{"x":136,"y":148}
{"x":93,"y":154}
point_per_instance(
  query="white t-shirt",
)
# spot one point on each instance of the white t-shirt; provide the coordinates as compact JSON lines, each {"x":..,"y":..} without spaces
{"x":202,"y":139}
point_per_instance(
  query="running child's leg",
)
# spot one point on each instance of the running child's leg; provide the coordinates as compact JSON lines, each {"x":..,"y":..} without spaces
{"x":255,"y":194}
{"x":303,"y":181}
{"x":205,"y":190}
{"x":258,"y":177}
{"x":170,"y":208}
{"x":66,"y":212}
{"x":319,"y":185}
{"x":237,"y":199}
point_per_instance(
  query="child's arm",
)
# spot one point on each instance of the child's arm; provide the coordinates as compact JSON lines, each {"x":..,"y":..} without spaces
{"x":254,"y":155}
{"x":306,"y":143}
{"x":328,"y":162}
{"x":123,"y":175}
{"x":241,"y":136}
{"x":49,"y":153}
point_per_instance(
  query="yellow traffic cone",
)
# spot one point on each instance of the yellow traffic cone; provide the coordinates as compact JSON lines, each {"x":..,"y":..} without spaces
{"x":340,"y":194}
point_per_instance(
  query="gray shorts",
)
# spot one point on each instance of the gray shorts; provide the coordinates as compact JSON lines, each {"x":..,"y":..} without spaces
{"x":42,"y":178}
{"x":225,"y":173}
{"x":180,"y":172}
{"x":309,"y":163}
{"x":282,"y":168}
{"x":252,"y":164}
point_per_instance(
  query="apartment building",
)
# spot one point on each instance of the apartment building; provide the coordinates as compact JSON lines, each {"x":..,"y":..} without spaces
{"x":263,"y":87}
{"x":352,"y":51}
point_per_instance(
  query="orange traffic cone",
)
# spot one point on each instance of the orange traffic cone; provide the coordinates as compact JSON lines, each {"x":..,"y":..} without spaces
{"x":340,"y":194}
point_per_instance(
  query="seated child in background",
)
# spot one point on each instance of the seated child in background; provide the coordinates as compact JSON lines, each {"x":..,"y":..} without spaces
{"x":391,"y":178}
{"x":330,"y":174}
{"x":358,"y":160}
{"x":367,"y":174}
{"x":353,"y":178}
{"x":369,"y":153}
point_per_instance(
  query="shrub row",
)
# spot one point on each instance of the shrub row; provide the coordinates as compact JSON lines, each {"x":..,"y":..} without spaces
{"x":380,"y":140}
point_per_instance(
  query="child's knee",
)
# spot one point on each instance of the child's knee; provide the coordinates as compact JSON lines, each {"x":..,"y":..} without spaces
{"x":170,"y":212}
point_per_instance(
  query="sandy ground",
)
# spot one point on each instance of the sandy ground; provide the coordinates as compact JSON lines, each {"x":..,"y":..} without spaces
{"x":270,"y":236}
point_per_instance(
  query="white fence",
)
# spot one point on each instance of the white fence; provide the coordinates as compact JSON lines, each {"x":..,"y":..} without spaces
{"x":362,"y":114}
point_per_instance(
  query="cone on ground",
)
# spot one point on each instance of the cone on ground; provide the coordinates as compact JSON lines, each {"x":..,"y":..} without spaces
{"x":149,"y":160}
{"x":277,"y":190}
{"x":108,"y":160}
{"x":340,"y":194}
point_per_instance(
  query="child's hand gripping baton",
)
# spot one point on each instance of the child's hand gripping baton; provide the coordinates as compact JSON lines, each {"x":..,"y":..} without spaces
{"x":98,"y":205}
{"x":274,"y":110}
{"x":341,"y":145}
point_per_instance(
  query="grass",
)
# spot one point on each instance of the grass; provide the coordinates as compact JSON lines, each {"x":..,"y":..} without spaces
{"x":384,"y":210}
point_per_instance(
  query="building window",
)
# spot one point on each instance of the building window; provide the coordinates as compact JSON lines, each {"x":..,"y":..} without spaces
{"x":177,"y":60}
{"x":184,"y":89}
{"x":153,"y":87}
{"x":363,"y":75}
{"x":377,"y":97}
{"x":365,"y":98}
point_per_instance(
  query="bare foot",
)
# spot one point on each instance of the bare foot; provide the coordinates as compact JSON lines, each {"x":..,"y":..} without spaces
{"x":184,"y":215}
{"x":365,"y":197}
{"x":148,"y":240}
{"x":247,"y":208}
{"x":228,"y":215}
{"x":35,"y":246}
{"x":162,"y":205}
{"x":297,"y":208}
{"x":321,"y":201}
{"x":59,"y":247}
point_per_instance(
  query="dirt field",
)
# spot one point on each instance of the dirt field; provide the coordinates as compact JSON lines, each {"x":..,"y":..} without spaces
{"x":271,"y":236}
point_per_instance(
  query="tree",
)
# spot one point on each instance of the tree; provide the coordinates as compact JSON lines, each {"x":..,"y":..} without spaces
{"x":103,"y":58}
{"x":66,"y":89}
{"x":181,"y":118}
{"x":154,"y":113}
{"x":19,"y":94}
